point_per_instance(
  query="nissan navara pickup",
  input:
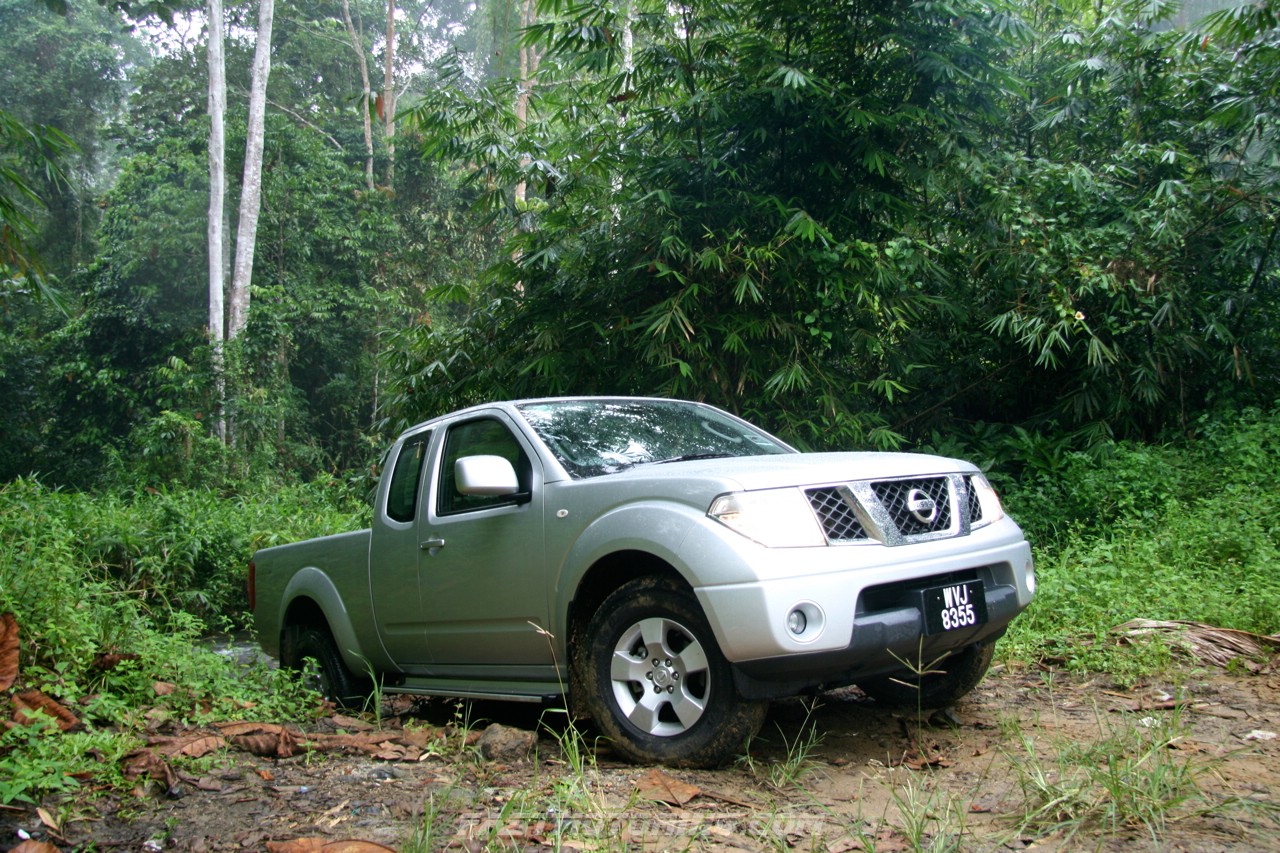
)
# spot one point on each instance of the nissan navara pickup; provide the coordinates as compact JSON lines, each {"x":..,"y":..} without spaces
{"x":662,"y":566}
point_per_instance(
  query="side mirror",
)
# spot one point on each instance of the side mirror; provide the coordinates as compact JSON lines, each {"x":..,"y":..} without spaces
{"x":485,"y":476}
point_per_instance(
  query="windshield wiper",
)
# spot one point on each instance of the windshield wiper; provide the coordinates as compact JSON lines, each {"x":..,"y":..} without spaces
{"x":688,"y":457}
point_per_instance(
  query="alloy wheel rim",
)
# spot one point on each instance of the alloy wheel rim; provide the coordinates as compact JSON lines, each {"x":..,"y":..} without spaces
{"x":660,"y":677}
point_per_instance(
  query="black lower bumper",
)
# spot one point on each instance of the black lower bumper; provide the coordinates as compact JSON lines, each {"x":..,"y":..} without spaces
{"x":883,"y":641}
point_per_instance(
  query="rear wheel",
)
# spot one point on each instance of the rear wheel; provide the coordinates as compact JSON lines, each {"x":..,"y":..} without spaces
{"x":655,"y":682}
{"x":942,"y":685}
{"x":332,"y":679}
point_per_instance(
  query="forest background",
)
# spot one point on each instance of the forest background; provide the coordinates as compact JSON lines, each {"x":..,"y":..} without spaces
{"x":1039,"y":235}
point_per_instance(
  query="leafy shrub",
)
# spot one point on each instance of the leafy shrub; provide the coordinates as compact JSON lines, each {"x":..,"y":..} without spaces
{"x":175,"y":448}
{"x":1188,"y":531}
{"x":113,"y":593}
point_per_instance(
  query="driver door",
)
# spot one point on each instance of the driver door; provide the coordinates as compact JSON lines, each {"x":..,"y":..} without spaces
{"x":482,"y":571}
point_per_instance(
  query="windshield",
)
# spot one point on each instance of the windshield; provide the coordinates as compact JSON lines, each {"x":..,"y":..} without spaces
{"x":594,"y":437}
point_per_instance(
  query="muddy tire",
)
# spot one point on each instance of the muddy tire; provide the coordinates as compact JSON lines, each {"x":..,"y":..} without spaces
{"x":333,"y":680}
{"x":649,"y":672}
{"x":943,"y":685}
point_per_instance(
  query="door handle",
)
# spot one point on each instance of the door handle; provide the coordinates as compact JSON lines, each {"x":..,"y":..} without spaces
{"x":431,"y":544}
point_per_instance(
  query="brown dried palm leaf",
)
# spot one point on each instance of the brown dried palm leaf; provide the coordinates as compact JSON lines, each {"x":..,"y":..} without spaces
{"x":8,"y":650}
{"x":1212,"y":645}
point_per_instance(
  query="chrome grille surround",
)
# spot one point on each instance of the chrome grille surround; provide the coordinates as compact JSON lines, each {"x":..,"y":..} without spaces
{"x":895,"y":511}
{"x":973,"y":507}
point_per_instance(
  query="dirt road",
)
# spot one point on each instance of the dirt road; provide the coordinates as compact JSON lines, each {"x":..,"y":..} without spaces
{"x":1032,"y":760}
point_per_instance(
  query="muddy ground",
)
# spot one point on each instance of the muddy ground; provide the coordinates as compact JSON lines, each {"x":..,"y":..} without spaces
{"x":1031,"y":760}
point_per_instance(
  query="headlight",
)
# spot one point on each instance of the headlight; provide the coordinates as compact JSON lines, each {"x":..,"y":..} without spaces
{"x":776,"y":518}
{"x":987,"y":499}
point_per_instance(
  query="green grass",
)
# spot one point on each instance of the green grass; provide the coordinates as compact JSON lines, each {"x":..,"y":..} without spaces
{"x":1187,"y":532}
{"x":796,"y":760}
{"x":1131,"y":778}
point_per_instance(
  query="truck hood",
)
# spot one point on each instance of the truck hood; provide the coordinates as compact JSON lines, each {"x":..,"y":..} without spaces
{"x":800,"y":469}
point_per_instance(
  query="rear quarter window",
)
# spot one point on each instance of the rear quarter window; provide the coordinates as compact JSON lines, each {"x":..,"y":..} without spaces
{"x":406,"y":479}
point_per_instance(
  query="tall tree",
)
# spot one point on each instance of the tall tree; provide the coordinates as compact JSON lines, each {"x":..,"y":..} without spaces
{"x":366,"y":89}
{"x":530,"y":58}
{"x":251,"y":186}
{"x":217,"y":195}
{"x":389,"y":97}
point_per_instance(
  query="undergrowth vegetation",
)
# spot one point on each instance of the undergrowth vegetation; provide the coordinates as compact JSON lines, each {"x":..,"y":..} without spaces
{"x":1169,"y":532}
{"x":112,"y":594}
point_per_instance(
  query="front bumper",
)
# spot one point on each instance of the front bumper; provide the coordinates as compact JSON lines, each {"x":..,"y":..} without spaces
{"x":882,"y":642}
{"x":862,"y":606}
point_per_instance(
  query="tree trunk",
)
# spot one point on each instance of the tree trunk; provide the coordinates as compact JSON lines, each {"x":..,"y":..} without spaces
{"x":389,"y":94}
{"x":357,"y":44}
{"x":529,"y":59}
{"x":251,"y":190}
{"x":217,"y":194}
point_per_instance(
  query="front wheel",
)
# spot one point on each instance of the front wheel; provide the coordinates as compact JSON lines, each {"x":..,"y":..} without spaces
{"x":332,"y":678}
{"x":655,"y":682}
{"x":941,"y":685}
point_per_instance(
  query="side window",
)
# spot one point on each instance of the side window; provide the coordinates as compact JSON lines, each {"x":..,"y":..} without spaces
{"x":486,"y":437}
{"x":402,"y":493}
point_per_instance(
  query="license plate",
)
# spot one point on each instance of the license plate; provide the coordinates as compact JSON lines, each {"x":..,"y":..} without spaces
{"x":950,"y":608}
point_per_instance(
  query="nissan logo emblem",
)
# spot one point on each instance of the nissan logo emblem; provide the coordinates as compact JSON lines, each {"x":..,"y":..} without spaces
{"x":923,"y":507}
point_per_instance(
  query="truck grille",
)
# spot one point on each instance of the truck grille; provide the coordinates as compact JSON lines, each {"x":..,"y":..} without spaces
{"x":916,"y":506}
{"x":896,"y":512}
{"x":836,"y":516}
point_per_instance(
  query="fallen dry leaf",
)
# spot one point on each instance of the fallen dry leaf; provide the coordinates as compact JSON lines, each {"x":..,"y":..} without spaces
{"x":660,"y":786}
{"x":325,"y":845}
{"x":279,"y":744}
{"x":48,"y":820}
{"x":105,"y":661}
{"x":29,"y":701}
{"x":147,"y":763}
{"x":30,"y":846}
{"x":1218,"y":646}
{"x":395,"y":752}
{"x":8,"y":650}
{"x":208,"y":783}
{"x":344,"y":722}
{"x":242,"y":728}
{"x":194,"y":745}
{"x":422,"y":738}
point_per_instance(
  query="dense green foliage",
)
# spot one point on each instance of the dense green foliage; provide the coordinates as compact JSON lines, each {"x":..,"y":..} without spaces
{"x":112,"y":593}
{"x":121,"y":386}
{"x":1165,"y":532}
{"x":868,"y":221}
{"x":69,"y":74}
{"x":158,"y":555}
{"x":864,"y":224}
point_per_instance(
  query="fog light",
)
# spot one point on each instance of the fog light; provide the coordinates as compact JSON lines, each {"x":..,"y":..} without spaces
{"x":797,"y":621}
{"x":1031,"y":578}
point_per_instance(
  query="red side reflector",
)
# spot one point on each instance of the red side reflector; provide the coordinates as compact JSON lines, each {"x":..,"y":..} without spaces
{"x":253,"y":586}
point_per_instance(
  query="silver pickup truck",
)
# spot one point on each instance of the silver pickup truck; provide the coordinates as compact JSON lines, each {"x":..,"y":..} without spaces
{"x":663,"y":565}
